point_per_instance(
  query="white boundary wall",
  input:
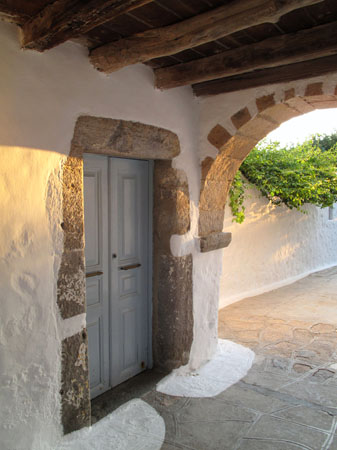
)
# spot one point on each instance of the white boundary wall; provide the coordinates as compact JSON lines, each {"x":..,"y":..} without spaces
{"x":273,"y":247}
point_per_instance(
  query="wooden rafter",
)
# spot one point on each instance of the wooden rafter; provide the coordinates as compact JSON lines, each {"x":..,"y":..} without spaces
{"x":276,"y":51}
{"x":265,"y":77}
{"x":206,"y":27}
{"x":10,"y":14}
{"x":65,"y":19}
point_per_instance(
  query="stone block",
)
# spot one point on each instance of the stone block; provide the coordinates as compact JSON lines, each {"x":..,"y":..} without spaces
{"x":210,"y":221}
{"x":289,"y":93}
{"x":171,"y":204}
{"x":172,"y":310}
{"x":73,"y":218}
{"x":215,"y":241}
{"x":264,"y":102}
{"x":300,"y":105}
{"x":75,"y":383}
{"x":238,"y":147}
{"x":280,"y":113}
{"x":71,"y":284}
{"x":258,"y":128}
{"x":205,"y":167}
{"x":241,"y":117}
{"x":314,"y":89}
{"x":324,"y":104}
{"x":218,"y":136}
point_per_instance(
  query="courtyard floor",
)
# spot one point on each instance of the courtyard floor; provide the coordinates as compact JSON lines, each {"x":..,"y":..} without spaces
{"x":288,"y":399}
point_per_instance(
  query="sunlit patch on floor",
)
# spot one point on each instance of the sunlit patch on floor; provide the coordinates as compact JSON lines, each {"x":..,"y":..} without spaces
{"x":133,"y":426}
{"x":230,"y":363}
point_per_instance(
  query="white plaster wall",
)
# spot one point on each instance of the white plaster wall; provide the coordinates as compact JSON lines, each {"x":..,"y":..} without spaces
{"x":41,"y":96}
{"x":274,"y":246}
{"x":29,"y":335}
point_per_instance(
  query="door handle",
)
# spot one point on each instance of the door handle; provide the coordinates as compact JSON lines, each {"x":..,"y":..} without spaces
{"x":93,"y":274}
{"x":132,"y":266}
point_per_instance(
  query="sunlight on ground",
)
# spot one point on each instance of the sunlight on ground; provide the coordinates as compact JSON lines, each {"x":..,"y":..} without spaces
{"x":230,"y":363}
{"x":133,"y":426}
{"x":322,"y":121}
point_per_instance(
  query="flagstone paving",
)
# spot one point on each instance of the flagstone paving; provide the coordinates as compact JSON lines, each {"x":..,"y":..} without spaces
{"x":288,"y":400}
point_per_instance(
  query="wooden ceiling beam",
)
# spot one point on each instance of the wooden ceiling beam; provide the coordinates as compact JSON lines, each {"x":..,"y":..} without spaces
{"x":65,"y":19}
{"x":10,"y":14}
{"x":281,"y":50}
{"x":265,"y":77}
{"x":200,"y":29}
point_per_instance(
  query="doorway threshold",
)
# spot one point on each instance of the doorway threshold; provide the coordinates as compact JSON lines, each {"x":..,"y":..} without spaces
{"x":131,"y":389}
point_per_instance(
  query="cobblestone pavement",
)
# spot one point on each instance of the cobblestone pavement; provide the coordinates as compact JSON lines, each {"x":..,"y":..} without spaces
{"x":288,"y":400}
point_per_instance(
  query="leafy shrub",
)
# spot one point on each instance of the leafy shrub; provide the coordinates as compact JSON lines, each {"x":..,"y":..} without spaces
{"x":304,"y":173}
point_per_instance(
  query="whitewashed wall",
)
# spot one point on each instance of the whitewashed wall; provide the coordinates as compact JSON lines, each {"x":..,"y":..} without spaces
{"x":41,"y":96}
{"x":274,"y":246}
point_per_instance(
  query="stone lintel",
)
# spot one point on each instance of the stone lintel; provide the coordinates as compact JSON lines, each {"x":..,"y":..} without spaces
{"x":123,"y":138}
{"x":215,"y":241}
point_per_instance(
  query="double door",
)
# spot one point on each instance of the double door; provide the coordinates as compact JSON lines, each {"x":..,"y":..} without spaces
{"x":116,"y":216}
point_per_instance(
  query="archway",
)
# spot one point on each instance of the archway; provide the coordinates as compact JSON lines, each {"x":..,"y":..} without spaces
{"x":251,"y":125}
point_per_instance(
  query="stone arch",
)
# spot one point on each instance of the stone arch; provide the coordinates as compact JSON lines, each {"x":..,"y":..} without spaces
{"x":269,"y":112}
{"x":172,"y":276}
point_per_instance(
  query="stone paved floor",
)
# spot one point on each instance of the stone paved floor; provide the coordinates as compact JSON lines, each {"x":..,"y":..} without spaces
{"x":288,"y":400}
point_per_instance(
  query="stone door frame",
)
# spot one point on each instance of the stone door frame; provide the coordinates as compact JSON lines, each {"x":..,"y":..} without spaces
{"x":172,"y":320}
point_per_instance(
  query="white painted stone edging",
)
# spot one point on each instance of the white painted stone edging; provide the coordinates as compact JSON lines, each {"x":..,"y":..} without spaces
{"x":230,"y":363}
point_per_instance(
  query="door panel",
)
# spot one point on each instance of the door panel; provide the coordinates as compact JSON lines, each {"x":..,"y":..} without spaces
{"x":116,"y":232}
{"x":129,"y":307}
{"x":93,"y":219}
{"x":128,"y":216}
{"x":97,"y":286}
{"x":95,"y":338}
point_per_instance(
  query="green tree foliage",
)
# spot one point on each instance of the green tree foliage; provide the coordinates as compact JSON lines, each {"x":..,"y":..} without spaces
{"x":295,"y":175}
{"x":237,"y":197}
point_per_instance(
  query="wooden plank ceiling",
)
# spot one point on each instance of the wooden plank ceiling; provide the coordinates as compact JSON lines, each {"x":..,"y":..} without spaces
{"x":214,"y":45}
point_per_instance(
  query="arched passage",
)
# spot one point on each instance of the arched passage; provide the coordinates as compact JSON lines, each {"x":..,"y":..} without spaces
{"x":250,"y":128}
